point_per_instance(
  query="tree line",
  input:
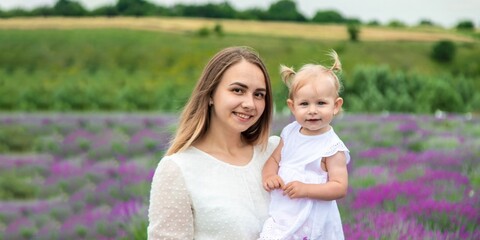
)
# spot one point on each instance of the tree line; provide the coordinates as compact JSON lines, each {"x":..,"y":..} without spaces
{"x":282,"y":10}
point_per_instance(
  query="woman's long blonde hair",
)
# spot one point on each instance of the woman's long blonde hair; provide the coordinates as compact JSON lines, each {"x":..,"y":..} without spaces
{"x":195,"y":117}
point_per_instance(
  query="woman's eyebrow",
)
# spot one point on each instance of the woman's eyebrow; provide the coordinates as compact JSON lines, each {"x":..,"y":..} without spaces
{"x":239,"y":84}
{"x":245,"y":86}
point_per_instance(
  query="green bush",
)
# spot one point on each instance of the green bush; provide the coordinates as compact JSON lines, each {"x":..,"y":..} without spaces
{"x":218,"y":29}
{"x":22,"y":142}
{"x":465,"y":26}
{"x":443,"y":51}
{"x":440,"y":96}
{"x":375,"y":89}
{"x":328,"y":16}
{"x":203,"y":32}
{"x":353,"y":31}
{"x":13,"y":187}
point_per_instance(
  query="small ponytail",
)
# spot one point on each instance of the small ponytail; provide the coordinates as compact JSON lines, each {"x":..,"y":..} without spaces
{"x":287,"y":75}
{"x":337,"y":66}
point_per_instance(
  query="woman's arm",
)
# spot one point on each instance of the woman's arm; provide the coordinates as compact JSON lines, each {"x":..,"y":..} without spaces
{"x":170,"y":213}
{"x":270,"y":177}
{"x":335,"y":188}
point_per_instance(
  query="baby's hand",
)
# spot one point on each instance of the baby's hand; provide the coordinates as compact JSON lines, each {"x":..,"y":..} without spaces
{"x":273,"y":182}
{"x":295,"y":189}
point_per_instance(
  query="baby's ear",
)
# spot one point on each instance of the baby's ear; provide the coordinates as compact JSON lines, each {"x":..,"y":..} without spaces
{"x":338,"y":105}
{"x":290,"y":104}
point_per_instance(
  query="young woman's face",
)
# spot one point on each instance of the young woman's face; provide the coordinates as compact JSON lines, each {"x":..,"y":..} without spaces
{"x":239,"y":100}
{"x":314,"y":106}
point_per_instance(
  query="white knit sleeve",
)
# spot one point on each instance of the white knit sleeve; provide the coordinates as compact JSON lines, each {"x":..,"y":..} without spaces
{"x":170,"y":212}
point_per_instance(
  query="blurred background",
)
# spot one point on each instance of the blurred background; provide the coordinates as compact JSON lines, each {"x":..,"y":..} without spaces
{"x":90,"y":92}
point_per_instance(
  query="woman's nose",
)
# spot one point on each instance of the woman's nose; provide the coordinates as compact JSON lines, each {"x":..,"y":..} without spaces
{"x":248,"y":102}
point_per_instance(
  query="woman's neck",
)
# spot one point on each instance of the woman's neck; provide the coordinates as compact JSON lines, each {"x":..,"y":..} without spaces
{"x":214,"y":138}
{"x":225,"y":147}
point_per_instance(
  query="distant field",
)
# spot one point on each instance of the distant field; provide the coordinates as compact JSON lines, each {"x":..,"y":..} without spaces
{"x":278,"y":29}
{"x":132,"y":64}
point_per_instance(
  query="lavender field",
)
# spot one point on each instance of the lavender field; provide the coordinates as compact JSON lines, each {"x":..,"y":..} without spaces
{"x":81,"y":176}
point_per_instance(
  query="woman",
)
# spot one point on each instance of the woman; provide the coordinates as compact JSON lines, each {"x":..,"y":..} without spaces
{"x":208,"y":185}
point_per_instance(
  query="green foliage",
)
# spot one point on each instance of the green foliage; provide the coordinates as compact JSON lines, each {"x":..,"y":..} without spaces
{"x":396,"y":24}
{"x":252,"y":14}
{"x":285,"y":10}
{"x":119,"y":70}
{"x":42,"y":11}
{"x":27,"y":233}
{"x":218,"y":29}
{"x":365,"y":182}
{"x":16,"y":187}
{"x":108,"y":11}
{"x":440,"y":96}
{"x":105,"y":229}
{"x":426,"y":22}
{"x":135,"y":8}
{"x":411,"y":174}
{"x":209,"y":10}
{"x":81,"y":231}
{"x":373,"y":23}
{"x":328,"y":16}
{"x":443,"y":51}
{"x":353,"y":31}
{"x":22,"y":142}
{"x":203,"y":32}
{"x":465,"y":26}
{"x":69,"y":8}
{"x":380,"y":89}
{"x":137,"y":228}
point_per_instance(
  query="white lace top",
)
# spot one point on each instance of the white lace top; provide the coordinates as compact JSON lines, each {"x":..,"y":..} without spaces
{"x":304,"y":218}
{"x":196,"y":196}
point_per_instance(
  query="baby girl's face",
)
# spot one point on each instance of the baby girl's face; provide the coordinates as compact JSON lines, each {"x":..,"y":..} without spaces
{"x":314,"y":105}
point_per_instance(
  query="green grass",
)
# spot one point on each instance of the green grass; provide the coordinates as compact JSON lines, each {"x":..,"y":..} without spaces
{"x":170,"y":54}
{"x":131,"y":66}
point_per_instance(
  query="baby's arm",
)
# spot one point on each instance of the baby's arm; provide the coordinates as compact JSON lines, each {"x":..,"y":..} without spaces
{"x":270,"y":177}
{"x":334,"y":188}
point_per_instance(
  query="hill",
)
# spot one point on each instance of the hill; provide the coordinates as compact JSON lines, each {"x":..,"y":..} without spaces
{"x":277,"y":29}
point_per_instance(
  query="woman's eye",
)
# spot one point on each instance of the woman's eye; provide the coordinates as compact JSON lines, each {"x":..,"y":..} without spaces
{"x":260,"y":95}
{"x":237,"y":90}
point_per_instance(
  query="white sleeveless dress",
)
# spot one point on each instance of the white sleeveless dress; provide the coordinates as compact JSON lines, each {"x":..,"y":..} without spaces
{"x":304,"y":218}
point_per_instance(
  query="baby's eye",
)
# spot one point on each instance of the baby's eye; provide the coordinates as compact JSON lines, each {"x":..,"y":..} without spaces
{"x":321,"y":103}
{"x":303,"y":104}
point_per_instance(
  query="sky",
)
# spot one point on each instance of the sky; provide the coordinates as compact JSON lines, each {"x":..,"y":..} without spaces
{"x":446,"y":13}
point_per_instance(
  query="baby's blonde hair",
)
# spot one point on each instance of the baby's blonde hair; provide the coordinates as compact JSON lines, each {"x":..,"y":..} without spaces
{"x":296,"y":80}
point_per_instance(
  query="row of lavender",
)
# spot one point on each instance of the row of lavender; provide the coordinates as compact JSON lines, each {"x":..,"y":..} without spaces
{"x":411,"y":177}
